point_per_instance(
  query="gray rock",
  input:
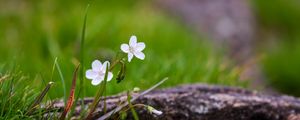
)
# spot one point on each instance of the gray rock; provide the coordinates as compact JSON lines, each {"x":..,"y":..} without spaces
{"x":204,"y":102}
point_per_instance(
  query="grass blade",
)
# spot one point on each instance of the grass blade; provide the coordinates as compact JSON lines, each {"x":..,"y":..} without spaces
{"x":39,"y":98}
{"x":81,"y":57}
{"x":82,"y":51}
{"x":2,"y":78}
{"x":62,"y":81}
{"x":71,"y":97}
{"x":57,"y":66}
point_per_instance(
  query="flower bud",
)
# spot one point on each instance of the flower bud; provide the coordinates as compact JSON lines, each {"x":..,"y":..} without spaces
{"x":121,"y":73}
{"x":136,"y":89}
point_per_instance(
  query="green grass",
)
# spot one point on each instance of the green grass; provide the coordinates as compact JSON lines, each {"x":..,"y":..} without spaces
{"x":14,"y":101}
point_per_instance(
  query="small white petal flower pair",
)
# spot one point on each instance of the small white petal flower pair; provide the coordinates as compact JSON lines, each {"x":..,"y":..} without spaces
{"x":97,"y":73}
{"x":134,"y":48}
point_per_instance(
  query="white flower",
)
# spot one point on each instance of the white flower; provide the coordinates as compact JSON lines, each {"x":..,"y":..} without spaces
{"x":97,"y":73}
{"x":134,"y":48}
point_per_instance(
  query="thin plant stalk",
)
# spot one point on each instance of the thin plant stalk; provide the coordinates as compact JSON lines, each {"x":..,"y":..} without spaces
{"x":57,"y":66}
{"x":134,"y":114}
{"x":98,"y":96}
{"x":71,"y":97}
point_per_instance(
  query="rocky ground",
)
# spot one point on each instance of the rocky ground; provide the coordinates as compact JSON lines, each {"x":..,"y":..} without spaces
{"x":204,"y":102}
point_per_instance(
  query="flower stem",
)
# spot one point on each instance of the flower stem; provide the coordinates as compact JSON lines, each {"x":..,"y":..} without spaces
{"x":98,"y":96}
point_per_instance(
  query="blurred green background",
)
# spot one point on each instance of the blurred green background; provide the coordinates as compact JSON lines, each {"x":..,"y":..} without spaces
{"x":280,"y":34}
{"x":33,"y":33}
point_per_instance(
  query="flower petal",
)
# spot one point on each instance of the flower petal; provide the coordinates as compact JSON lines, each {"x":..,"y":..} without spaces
{"x":96,"y":81}
{"x":109,"y":76}
{"x":133,"y":41}
{"x":96,"y":65}
{"x":140,"y":46}
{"x":139,"y":55}
{"x":125,"y":48}
{"x":90,"y":74}
{"x":106,"y":63}
{"x":130,"y":56}
{"x":157,"y":112}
